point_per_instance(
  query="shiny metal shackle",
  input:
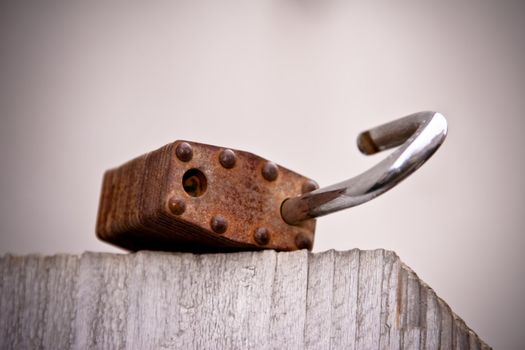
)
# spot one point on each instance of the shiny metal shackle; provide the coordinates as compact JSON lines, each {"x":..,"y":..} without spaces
{"x":419,"y":135}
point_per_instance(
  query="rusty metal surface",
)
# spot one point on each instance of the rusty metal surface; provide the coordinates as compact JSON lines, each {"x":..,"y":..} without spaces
{"x":197,"y":197}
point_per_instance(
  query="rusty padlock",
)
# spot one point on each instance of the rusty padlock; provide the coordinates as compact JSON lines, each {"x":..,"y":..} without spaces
{"x":188,"y":196}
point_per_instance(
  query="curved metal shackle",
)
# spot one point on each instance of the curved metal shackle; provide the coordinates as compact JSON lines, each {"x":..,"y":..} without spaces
{"x":419,"y":136}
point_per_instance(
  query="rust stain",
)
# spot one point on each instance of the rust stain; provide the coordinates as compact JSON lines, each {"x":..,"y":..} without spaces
{"x":399,"y":298}
{"x":166,"y":200}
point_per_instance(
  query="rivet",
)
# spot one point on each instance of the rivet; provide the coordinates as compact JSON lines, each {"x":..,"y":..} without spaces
{"x":176,"y":205}
{"x":309,"y":186}
{"x":302,"y":241}
{"x":261,"y":236}
{"x":184,"y":152}
{"x":227,"y":158}
{"x":219,"y":224}
{"x":270,"y":171}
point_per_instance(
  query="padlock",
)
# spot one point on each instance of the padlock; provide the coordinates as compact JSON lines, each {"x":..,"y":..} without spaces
{"x":189,"y":196}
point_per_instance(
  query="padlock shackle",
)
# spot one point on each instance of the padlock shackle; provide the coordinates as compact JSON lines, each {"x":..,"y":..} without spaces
{"x":419,"y":135}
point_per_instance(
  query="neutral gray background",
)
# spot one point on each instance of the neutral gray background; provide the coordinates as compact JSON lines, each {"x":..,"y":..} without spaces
{"x":88,"y":85}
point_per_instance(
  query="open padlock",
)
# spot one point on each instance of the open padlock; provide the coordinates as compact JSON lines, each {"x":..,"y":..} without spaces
{"x":188,"y":196}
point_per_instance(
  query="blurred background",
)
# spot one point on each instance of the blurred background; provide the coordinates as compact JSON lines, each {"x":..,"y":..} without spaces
{"x":85,"y":86}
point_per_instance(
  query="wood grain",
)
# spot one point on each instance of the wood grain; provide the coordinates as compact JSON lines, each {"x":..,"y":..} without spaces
{"x":250,"y":300}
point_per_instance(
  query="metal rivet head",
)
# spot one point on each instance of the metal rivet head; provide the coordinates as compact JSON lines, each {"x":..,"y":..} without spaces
{"x":219,"y":224}
{"x":302,"y":241}
{"x":309,"y":186}
{"x":270,"y":171}
{"x":184,"y":152}
{"x":227,"y":158}
{"x":262,"y":236}
{"x":177,"y":206}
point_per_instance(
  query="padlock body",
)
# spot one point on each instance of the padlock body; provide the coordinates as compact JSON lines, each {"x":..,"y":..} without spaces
{"x":169,"y":200}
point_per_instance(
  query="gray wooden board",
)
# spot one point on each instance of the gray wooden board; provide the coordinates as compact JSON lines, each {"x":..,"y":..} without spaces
{"x":251,"y":300}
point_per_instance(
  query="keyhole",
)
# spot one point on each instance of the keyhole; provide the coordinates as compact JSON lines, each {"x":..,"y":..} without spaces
{"x":194,"y":182}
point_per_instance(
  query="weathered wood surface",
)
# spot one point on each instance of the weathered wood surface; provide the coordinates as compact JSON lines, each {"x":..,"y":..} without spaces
{"x":263,"y":300}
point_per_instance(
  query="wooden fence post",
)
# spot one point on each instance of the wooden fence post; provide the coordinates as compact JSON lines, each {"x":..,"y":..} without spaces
{"x":252,"y":300}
